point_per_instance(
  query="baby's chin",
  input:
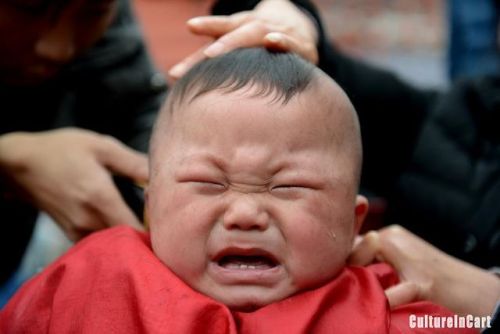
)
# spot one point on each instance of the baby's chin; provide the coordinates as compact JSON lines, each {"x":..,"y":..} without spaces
{"x":248,"y":303}
{"x":247,"y":299}
{"x":248,"y":307}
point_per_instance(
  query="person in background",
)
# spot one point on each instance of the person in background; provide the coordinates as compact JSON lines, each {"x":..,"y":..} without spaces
{"x":76,"y":86}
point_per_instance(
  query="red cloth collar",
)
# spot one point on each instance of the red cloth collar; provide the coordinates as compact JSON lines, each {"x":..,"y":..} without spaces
{"x":111,"y":282}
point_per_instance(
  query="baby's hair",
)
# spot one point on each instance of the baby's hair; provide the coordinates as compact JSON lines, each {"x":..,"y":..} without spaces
{"x":277,"y":74}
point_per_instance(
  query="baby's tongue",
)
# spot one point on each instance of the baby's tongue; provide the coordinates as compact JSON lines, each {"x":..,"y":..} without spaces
{"x":246,"y":262}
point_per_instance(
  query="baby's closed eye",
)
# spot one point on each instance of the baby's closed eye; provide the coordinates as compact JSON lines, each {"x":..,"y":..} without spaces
{"x":291,"y":190}
{"x":204,"y":184}
{"x":208,"y":186}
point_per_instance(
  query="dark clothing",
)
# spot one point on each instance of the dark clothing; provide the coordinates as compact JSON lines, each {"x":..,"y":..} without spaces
{"x":495,"y":322}
{"x":112,"y":89}
{"x":450,"y":192}
{"x":435,"y":157}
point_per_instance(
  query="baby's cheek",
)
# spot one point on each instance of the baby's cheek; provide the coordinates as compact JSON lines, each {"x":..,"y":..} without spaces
{"x":318,"y":251}
{"x":162,"y":238}
{"x":181,"y":256}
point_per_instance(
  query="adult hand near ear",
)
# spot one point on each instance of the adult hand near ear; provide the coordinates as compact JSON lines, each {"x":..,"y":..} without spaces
{"x":67,"y":173}
{"x":427,"y":273}
{"x":275,"y":24}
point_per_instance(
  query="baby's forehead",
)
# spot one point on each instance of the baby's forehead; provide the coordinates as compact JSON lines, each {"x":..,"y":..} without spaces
{"x":321,"y":107}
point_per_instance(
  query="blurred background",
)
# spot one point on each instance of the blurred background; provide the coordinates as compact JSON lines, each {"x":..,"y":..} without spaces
{"x":407,"y":36}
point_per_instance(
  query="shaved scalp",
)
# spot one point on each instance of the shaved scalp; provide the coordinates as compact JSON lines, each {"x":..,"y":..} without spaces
{"x":275,"y":75}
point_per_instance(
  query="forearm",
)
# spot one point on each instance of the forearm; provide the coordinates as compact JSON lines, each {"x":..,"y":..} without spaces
{"x":10,"y":158}
{"x":475,"y":290}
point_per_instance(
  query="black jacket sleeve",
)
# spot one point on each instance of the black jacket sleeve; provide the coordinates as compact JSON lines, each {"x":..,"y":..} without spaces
{"x":114,"y":88}
{"x":449,"y":193}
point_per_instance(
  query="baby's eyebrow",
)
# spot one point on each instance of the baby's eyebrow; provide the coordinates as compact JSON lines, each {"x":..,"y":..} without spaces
{"x":199,"y":162}
{"x":218,"y":162}
{"x":204,"y":158}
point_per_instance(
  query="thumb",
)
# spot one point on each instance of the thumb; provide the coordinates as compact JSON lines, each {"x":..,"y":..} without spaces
{"x":402,"y":293}
{"x":124,"y":161}
{"x":365,"y":251}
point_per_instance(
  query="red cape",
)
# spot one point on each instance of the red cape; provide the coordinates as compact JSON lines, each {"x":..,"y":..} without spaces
{"x":111,"y":282}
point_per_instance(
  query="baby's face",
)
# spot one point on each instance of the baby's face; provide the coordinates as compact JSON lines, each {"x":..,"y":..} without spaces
{"x":251,"y":201}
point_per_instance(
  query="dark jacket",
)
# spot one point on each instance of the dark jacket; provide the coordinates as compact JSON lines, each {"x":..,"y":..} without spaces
{"x":113,"y":89}
{"x":450,"y":191}
{"x":434,"y":156}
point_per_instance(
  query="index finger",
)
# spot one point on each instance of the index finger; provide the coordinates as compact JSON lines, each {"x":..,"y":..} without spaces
{"x":123,"y":160}
{"x":365,"y":251}
{"x":248,"y":35}
{"x":402,"y":293}
{"x":217,"y":25}
{"x":179,"y":69}
{"x":113,"y":210}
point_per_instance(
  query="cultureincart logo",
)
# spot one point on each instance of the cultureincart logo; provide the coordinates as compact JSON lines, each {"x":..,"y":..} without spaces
{"x":456,"y":321}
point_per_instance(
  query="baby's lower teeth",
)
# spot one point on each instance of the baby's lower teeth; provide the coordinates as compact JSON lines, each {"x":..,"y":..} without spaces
{"x":241,"y":266}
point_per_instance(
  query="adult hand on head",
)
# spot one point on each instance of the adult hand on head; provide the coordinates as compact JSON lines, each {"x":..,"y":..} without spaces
{"x":427,"y":273}
{"x":275,"y":24}
{"x":67,"y":173}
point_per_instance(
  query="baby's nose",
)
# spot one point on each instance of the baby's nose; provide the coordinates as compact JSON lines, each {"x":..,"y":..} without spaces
{"x":246,"y":212}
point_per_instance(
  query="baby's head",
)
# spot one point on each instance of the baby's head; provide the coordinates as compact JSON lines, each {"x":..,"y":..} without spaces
{"x":255,"y":165}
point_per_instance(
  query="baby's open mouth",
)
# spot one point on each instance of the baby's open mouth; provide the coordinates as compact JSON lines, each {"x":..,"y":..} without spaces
{"x":246,"y":266}
{"x":246,"y":262}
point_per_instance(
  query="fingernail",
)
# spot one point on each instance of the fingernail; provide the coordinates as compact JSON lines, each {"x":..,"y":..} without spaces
{"x":274,"y":37}
{"x":214,"y":50}
{"x":177,"y":71}
{"x":195,"y":21}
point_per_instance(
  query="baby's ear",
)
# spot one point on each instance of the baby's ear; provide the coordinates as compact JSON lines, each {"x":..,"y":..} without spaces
{"x":360,"y":212}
